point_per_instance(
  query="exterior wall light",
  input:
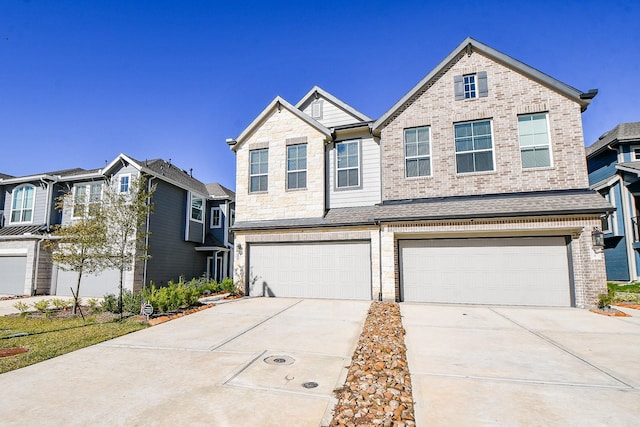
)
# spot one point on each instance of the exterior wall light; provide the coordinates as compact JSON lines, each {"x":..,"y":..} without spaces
{"x":597,"y":238}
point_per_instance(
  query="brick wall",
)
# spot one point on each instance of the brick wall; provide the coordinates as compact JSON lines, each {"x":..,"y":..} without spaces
{"x":510,"y":94}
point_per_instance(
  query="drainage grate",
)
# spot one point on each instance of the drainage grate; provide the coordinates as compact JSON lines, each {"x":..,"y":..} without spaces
{"x":310,"y":384}
{"x":279,"y":360}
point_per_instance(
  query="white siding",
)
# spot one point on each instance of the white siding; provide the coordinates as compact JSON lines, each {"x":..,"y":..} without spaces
{"x":369,"y":192}
{"x":332,"y":115}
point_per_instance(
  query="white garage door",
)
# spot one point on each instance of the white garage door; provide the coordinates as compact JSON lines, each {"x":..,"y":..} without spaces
{"x":106,"y":282}
{"x":515,"y":271}
{"x":311,"y":270}
{"x":13,"y":270}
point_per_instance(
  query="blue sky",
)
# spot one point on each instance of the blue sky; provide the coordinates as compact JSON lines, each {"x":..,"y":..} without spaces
{"x":82,"y":81}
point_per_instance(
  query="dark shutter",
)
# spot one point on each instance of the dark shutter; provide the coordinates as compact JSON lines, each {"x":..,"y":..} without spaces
{"x":458,"y":87}
{"x":483,"y":89}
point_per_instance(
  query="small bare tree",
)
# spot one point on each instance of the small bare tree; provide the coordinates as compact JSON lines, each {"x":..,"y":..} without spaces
{"x":124,"y":216}
{"x":78,"y":245}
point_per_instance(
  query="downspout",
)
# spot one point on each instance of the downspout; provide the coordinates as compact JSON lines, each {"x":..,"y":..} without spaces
{"x":377,"y":222}
{"x":146,"y":236}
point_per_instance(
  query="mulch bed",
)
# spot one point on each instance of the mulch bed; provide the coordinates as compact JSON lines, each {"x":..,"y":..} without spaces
{"x":378,"y":386}
{"x":171,"y":316}
{"x":5,"y":352}
{"x":628,"y":305}
{"x":609,"y":312}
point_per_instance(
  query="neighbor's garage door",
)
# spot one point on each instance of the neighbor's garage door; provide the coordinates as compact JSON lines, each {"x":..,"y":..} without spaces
{"x":311,"y":270}
{"x":517,"y":271}
{"x":12,"y":274}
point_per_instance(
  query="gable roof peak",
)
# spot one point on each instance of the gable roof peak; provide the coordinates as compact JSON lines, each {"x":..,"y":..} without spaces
{"x":278,"y":103}
{"x":316,"y":91}
{"x":468,"y":46}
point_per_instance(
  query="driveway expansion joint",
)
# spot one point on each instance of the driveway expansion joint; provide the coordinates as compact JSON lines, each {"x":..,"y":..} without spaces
{"x":565,"y":349}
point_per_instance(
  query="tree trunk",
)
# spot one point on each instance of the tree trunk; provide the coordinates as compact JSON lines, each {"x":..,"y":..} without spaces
{"x":77,"y":295}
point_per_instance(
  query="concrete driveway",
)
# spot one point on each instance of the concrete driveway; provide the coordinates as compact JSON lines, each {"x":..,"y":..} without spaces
{"x":511,"y":366}
{"x":204,"y":369}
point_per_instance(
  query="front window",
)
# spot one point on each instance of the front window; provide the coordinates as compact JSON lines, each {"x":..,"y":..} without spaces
{"x":232,"y":217}
{"x":348,"y":164}
{"x":534,"y":141}
{"x":196,"y":208}
{"x":469,"y":81}
{"x":124,"y":183}
{"x":86,"y":199}
{"x":607,"y":219}
{"x":417,"y":152}
{"x":474,"y":147}
{"x":297,"y":166}
{"x":22,"y":204}
{"x":216,"y":215}
{"x":259,"y":170}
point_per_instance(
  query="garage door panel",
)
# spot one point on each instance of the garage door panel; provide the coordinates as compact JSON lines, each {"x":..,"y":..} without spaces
{"x":519,"y":271}
{"x":14,"y":270}
{"x":311,"y":270}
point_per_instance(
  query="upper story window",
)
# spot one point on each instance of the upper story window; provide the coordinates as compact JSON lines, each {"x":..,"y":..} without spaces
{"x":232,"y":217}
{"x":348,"y":164}
{"x":216,"y":217}
{"x":86,"y":199}
{"x":258,"y":170}
{"x":534,"y":141}
{"x":22,"y":204}
{"x":470,"y":86}
{"x":474,"y":147}
{"x":296,"y":166}
{"x":125,"y":181}
{"x":469,"y":81}
{"x":607,"y":220}
{"x":417,"y":152}
{"x":636,"y":154}
{"x":197,"y":204}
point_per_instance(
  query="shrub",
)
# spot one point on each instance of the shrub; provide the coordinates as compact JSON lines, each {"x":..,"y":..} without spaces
{"x":22,"y":307}
{"x":110,"y":303}
{"x":605,"y":300}
{"x":61,"y":304}
{"x":227,"y":285}
{"x":93,"y":304}
{"x":42,"y":306}
{"x":171,"y":297}
{"x":131,"y":302}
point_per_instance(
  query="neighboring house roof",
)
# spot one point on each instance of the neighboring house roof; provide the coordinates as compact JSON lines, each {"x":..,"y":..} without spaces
{"x":633,"y":167}
{"x":326,"y":95}
{"x":211,"y":243}
{"x":5,"y":176}
{"x":539,"y":203}
{"x":469,"y":45}
{"x":21,"y":230}
{"x":220,"y":192}
{"x":277,"y":103}
{"x":165,"y":170}
{"x":624,"y":132}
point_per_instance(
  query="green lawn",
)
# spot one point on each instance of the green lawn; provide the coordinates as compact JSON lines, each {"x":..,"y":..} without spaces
{"x":52,"y":337}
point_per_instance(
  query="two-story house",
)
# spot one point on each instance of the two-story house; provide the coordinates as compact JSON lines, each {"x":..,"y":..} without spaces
{"x":181,"y":227}
{"x":472,"y":188}
{"x":614,"y":171}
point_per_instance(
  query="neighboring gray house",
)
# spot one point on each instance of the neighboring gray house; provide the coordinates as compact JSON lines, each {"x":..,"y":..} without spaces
{"x":218,"y":242}
{"x":472,"y":188}
{"x":179,"y":243}
{"x":614,"y":171}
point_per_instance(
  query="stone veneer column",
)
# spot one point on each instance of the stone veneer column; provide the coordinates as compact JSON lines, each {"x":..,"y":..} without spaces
{"x":239,"y":261}
{"x":388,"y":265}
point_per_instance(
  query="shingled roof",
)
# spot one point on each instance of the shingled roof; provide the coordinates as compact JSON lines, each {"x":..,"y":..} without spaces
{"x":218,"y":191}
{"x":539,"y":203}
{"x":162,"y":168}
{"x":624,"y":132}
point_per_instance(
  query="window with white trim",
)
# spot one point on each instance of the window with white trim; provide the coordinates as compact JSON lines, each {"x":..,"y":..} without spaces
{"x":86,"y":199}
{"x":607,"y":219}
{"x":124,"y":182}
{"x":474,"y":147}
{"x":417,"y":152}
{"x":348,"y":164}
{"x":534,"y":141}
{"x":296,"y":166}
{"x":22,"y":203}
{"x":259,"y":170}
{"x":636,"y":153}
{"x":232,"y":217}
{"x":197,"y":204}
{"x":216,"y":217}
{"x":469,"y":81}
